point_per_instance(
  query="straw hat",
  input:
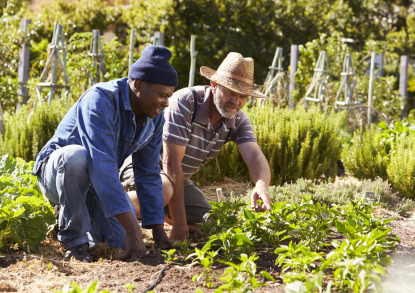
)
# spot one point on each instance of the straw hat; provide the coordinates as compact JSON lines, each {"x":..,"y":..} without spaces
{"x":235,"y":73}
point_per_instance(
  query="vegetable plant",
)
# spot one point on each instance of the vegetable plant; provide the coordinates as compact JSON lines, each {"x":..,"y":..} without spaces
{"x":232,"y":242}
{"x":205,"y":257}
{"x":169,"y":255}
{"x":26,"y":216}
{"x":242,"y":277}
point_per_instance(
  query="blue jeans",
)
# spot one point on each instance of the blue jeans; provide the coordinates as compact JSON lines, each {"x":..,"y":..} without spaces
{"x":64,"y":180}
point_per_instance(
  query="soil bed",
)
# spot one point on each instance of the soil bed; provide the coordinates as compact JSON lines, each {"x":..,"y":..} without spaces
{"x":46,"y":270}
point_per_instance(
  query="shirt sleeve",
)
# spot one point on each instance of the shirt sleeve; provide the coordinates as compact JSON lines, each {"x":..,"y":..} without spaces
{"x":147,"y":178}
{"x":178,"y":118}
{"x":244,"y":131}
{"x":95,"y":116}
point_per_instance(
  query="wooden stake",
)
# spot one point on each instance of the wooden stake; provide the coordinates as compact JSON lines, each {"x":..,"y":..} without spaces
{"x":193,"y":60}
{"x":132,"y":39}
{"x":403,"y":81}
{"x":293,"y":70}
{"x":371,"y":80}
{"x":23,"y":70}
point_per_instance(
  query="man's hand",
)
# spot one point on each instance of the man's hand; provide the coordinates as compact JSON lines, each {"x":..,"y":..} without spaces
{"x":136,"y":248}
{"x":260,"y":192}
{"x":179,"y":233}
{"x":160,"y":237}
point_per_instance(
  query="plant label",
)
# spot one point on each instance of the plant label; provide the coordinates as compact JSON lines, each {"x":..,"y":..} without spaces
{"x":370,"y":195}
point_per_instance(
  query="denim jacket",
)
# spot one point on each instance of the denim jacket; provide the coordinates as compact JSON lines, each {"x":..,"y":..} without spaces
{"x":103,"y":122}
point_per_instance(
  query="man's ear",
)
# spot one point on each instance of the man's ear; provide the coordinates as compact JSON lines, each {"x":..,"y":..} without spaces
{"x":138,"y":85}
{"x":213,"y":86}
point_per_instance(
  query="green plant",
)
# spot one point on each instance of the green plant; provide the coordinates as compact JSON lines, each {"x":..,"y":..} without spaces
{"x":241,"y":277}
{"x":205,"y":257}
{"x":312,"y":222}
{"x":91,"y":288}
{"x":297,"y":144}
{"x":130,"y":287}
{"x":26,"y":216}
{"x":184,"y":247}
{"x":297,"y":257}
{"x":401,"y":170}
{"x":312,"y":284}
{"x":266,"y":227}
{"x":366,"y":158}
{"x":223,"y":215}
{"x":232,"y":242}
{"x":169,"y":255}
{"x":28,"y":130}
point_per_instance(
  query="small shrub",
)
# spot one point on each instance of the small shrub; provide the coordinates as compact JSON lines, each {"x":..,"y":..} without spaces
{"x":366,"y":158}
{"x":340,"y":193}
{"x":296,"y":144}
{"x":28,"y":131}
{"x":401,"y":169}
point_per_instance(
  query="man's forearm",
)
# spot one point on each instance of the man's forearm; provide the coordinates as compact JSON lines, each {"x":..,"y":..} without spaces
{"x":259,"y":170}
{"x":176,"y":204}
{"x":128,"y":221}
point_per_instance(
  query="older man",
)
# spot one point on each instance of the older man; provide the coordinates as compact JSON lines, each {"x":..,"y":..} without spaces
{"x":199,"y":121}
{"x":78,"y":168}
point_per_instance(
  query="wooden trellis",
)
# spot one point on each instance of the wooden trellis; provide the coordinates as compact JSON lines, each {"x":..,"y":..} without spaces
{"x":98,"y":58}
{"x":58,"y":45}
{"x":348,"y":84}
{"x":320,"y":78}
{"x":271,"y":79}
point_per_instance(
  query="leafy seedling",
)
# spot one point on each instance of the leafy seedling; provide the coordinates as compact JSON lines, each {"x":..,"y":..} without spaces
{"x":169,"y":255}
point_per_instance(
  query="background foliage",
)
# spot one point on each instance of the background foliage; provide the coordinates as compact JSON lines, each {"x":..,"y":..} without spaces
{"x":25,"y":214}
{"x":254,"y":28}
{"x":297,"y":144}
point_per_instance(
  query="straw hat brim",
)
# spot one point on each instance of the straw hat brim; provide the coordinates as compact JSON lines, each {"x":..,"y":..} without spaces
{"x":230,"y":83}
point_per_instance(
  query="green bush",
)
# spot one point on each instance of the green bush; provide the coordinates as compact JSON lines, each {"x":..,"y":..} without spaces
{"x":25,"y":214}
{"x":28,"y":131}
{"x":366,"y":158}
{"x":297,"y":144}
{"x":401,"y":170}
{"x":339,"y":193}
{"x":386,"y":152}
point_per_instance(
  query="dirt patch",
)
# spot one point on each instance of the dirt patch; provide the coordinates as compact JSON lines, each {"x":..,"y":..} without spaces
{"x":47,"y":270}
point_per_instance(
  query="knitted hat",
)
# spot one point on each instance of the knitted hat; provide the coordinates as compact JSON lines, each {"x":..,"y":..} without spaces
{"x":235,"y":73}
{"x":154,"y":66}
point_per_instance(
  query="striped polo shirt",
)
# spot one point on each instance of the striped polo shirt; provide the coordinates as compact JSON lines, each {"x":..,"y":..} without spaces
{"x":202,"y":142}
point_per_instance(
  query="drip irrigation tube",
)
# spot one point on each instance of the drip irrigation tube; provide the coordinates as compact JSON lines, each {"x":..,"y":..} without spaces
{"x":158,"y":277}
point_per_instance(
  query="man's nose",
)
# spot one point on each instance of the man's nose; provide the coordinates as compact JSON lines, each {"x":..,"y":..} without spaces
{"x":165,"y":103}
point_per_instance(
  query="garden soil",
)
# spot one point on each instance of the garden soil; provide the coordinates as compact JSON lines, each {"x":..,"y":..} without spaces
{"x":47,"y":270}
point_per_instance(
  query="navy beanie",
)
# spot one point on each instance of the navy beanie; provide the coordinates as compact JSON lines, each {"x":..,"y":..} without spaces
{"x":154,"y":66}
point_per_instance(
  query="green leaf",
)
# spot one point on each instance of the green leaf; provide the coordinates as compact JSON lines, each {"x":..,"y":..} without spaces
{"x":267,"y":275}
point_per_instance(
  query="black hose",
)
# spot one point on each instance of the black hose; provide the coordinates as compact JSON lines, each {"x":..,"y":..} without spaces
{"x":155,"y":282}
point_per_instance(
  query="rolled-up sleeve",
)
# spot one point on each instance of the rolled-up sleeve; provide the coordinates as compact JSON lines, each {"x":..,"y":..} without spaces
{"x":96,"y":126}
{"x":147,"y":178}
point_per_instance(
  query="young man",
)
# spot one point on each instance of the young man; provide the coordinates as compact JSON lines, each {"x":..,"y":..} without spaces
{"x":199,"y":121}
{"x":78,"y":168}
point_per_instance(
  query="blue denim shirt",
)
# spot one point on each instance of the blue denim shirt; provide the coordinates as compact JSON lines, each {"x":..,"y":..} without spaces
{"x":103,"y":122}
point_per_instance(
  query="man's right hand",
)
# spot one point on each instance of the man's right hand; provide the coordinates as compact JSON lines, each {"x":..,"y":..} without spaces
{"x":179,"y":233}
{"x":136,"y":248}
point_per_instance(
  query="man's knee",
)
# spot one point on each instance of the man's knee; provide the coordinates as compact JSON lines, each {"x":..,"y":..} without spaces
{"x":75,"y":159}
{"x":167,"y":189}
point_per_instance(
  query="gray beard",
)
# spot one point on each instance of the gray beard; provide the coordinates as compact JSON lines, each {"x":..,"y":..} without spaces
{"x":223,"y":113}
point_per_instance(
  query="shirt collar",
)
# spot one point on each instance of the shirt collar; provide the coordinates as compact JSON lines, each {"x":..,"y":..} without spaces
{"x":202,"y":114}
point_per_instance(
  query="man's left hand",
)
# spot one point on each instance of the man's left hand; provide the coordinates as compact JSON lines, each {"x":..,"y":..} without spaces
{"x":160,"y":237}
{"x":260,"y":192}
